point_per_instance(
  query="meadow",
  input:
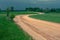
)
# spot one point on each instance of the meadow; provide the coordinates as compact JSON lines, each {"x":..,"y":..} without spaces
{"x":51,"y":17}
{"x":10,"y":31}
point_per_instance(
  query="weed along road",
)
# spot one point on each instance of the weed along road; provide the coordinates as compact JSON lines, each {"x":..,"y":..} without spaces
{"x":38,"y":29}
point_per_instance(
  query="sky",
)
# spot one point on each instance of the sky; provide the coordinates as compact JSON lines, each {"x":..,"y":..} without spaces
{"x":22,"y":4}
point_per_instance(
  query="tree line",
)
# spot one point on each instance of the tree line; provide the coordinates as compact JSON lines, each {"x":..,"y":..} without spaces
{"x":34,"y":9}
{"x":43,"y":10}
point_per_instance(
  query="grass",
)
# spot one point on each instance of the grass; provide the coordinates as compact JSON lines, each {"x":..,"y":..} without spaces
{"x":19,"y":13}
{"x":52,"y":17}
{"x":10,"y":31}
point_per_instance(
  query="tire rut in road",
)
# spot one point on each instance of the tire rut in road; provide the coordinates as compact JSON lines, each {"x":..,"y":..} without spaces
{"x":48,"y":37}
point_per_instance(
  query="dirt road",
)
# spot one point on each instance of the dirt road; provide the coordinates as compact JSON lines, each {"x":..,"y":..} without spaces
{"x":38,"y":29}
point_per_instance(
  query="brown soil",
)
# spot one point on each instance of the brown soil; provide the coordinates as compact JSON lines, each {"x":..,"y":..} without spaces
{"x":38,"y":29}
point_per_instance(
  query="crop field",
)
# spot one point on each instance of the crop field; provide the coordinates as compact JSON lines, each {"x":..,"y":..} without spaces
{"x":52,"y":17}
{"x":10,"y":31}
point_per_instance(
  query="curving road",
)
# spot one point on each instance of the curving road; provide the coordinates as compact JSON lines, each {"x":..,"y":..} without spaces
{"x":38,"y":29}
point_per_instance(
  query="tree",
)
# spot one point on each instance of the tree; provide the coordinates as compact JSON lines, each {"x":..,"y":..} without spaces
{"x":53,"y":10}
{"x":33,"y":9}
{"x":29,"y":9}
{"x":37,"y":9}
{"x":0,"y":10}
{"x":58,"y":10}
{"x":7,"y":10}
{"x":41,"y":10}
{"x":12,"y":8}
{"x":47,"y":10}
{"x":7,"y":13}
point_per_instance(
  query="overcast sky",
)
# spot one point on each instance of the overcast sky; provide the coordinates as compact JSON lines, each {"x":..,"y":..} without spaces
{"x":21,"y":4}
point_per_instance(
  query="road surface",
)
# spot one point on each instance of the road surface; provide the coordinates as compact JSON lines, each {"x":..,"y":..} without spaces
{"x":38,"y":29}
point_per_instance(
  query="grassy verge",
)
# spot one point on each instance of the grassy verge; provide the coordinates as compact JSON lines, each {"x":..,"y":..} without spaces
{"x":10,"y":31}
{"x":52,"y":17}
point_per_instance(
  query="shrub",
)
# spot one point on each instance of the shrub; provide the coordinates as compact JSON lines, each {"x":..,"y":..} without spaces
{"x":12,"y":16}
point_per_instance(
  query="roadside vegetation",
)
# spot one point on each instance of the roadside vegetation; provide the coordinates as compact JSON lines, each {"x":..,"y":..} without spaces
{"x":52,"y":17}
{"x":9,"y":30}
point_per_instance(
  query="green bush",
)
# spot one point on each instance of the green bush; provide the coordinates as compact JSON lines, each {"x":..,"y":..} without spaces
{"x":12,"y":16}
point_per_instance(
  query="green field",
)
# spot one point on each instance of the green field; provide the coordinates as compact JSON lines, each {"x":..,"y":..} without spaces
{"x":16,"y":13}
{"x":9,"y":30}
{"x":52,"y":17}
